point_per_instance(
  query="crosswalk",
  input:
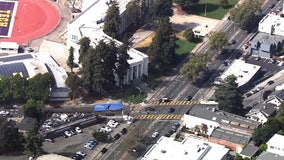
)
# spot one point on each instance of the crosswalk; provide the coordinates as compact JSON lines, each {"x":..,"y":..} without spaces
{"x":159,"y":116}
{"x":174,"y":103}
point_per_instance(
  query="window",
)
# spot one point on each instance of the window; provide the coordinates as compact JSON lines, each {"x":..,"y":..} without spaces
{"x":74,"y":37}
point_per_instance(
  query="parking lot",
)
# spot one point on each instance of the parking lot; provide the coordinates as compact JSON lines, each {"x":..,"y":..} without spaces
{"x":69,"y":146}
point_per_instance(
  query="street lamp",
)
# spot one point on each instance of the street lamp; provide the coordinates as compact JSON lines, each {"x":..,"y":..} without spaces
{"x":205,"y":8}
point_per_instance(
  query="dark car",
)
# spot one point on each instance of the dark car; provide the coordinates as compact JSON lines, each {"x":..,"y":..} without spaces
{"x":270,"y":82}
{"x":189,"y":98}
{"x":78,"y":156}
{"x":150,"y":109}
{"x":123,"y":131}
{"x":117,"y":136}
{"x":167,"y":135}
{"x":104,"y":150}
{"x":171,"y":110}
{"x":64,"y":135}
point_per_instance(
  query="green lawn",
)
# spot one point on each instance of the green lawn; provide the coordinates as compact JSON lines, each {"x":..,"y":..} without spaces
{"x":132,"y":94}
{"x":213,"y":9}
{"x":183,"y":47}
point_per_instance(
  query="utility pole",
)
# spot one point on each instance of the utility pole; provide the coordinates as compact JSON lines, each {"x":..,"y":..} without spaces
{"x":205,"y":8}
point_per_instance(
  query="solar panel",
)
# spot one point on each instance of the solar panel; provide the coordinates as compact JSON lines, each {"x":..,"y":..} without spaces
{"x":11,"y":69}
{"x":16,"y":58}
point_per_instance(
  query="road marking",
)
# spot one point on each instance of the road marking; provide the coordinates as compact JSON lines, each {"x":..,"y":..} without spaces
{"x":159,"y":116}
{"x":174,"y":103}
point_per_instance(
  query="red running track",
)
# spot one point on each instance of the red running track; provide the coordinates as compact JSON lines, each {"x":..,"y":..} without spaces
{"x":34,"y":19}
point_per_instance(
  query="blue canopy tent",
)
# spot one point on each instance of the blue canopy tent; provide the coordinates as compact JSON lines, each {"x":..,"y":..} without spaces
{"x":108,"y":107}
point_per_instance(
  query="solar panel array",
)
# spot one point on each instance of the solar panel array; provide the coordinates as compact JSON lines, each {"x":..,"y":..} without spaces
{"x":16,"y":58}
{"x":10,"y":69}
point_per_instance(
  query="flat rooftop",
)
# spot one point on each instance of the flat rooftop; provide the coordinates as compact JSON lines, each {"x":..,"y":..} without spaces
{"x":190,"y":148}
{"x":223,"y":118}
{"x":242,"y":70}
{"x":230,"y":136}
{"x":269,"y":39}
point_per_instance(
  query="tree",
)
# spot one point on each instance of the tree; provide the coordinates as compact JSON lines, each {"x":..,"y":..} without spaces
{"x":218,"y":41}
{"x":75,"y":84}
{"x":33,"y":146}
{"x":245,"y":14}
{"x":17,"y":87}
{"x":223,"y":3}
{"x":70,"y":61}
{"x":100,"y":136}
{"x":189,"y":35}
{"x":134,"y":12}
{"x":122,"y":65}
{"x":161,"y":9}
{"x":39,"y":87}
{"x":34,"y":109}
{"x":186,"y":4}
{"x":162,"y":50}
{"x":5,"y":91}
{"x":195,"y":65}
{"x":112,"y":21}
{"x":229,"y":97}
{"x":10,"y":138}
{"x":84,"y":47}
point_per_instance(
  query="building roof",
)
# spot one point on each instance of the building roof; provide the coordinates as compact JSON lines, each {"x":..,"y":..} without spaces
{"x":278,"y":93}
{"x":270,"y":21}
{"x":249,"y":150}
{"x":230,"y":136}
{"x":269,"y":156}
{"x":266,"y":40}
{"x":274,"y":141}
{"x":53,"y":157}
{"x":242,"y":70}
{"x":190,"y":148}
{"x":29,"y":65}
{"x":223,"y":118}
{"x":9,"y":45}
{"x":267,"y":109}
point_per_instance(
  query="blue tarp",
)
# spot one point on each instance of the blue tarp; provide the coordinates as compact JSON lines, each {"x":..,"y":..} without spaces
{"x":108,"y":107}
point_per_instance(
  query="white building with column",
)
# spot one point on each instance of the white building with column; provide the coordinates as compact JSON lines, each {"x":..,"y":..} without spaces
{"x":90,"y":24}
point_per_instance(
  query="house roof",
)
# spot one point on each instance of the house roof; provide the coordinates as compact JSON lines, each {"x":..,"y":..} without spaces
{"x":249,"y":150}
{"x":266,"y":40}
{"x":274,"y":141}
{"x":269,"y":156}
{"x":230,"y":136}
{"x":267,"y":109}
{"x":210,"y":112}
{"x":278,"y":93}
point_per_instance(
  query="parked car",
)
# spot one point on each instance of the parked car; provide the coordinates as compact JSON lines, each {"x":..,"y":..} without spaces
{"x":155,"y":135}
{"x":81,"y":153}
{"x":117,"y":136}
{"x":104,"y":150}
{"x":89,"y":146}
{"x":175,"y":126}
{"x":171,"y":110}
{"x":150,"y":109}
{"x":270,"y":82}
{"x":73,"y":132}
{"x":93,"y":142}
{"x":64,"y":135}
{"x":49,"y":140}
{"x":78,"y":130}
{"x":112,"y":123}
{"x":123,"y":131}
{"x":77,"y":157}
{"x":67,"y":133}
{"x":105,"y":129}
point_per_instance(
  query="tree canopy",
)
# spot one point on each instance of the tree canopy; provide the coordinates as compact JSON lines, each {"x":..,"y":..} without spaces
{"x":34,"y":109}
{"x":75,"y":84}
{"x":186,"y":4}
{"x":272,"y":126}
{"x":189,"y":35}
{"x":162,"y":49}
{"x":245,"y":14}
{"x":100,"y":136}
{"x":218,"y":40}
{"x":33,"y":145}
{"x":195,"y":65}
{"x":229,"y":97}
{"x":223,"y":3}
{"x":134,"y":12}
{"x":84,"y":47}
{"x":70,"y":60}
{"x":161,"y":9}
{"x":10,"y":138}
{"x":112,"y":21}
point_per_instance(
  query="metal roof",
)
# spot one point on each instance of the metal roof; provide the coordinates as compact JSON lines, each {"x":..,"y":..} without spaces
{"x":230,"y":136}
{"x":13,"y":68}
{"x":17,"y":57}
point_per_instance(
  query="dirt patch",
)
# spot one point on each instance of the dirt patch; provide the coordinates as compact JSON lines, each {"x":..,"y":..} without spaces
{"x":146,"y":42}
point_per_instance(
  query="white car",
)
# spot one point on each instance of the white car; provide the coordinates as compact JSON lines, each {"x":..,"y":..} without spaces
{"x":155,"y":134}
{"x":78,"y":130}
{"x":81,"y":153}
{"x":106,"y":129}
{"x":89,"y":146}
{"x":112,"y":123}
{"x":67,"y":133}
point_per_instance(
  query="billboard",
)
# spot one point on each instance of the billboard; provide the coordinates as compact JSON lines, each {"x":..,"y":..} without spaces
{"x":7,"y":14}
{"x":108,"y":107}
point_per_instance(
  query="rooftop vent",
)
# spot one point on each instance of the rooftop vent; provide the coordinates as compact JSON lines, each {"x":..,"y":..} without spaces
{"x":163,"y":151}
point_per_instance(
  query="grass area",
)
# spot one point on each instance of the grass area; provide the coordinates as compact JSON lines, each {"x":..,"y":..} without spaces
{"x":213,"y":9}
{"x":183,"y":47}
{"x":132,"y":94}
